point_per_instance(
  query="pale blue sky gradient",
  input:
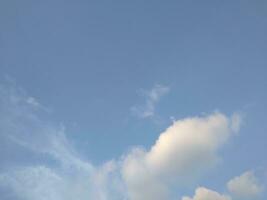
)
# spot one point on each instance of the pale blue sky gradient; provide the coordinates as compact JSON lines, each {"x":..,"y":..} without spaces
{"x":87,"y":61}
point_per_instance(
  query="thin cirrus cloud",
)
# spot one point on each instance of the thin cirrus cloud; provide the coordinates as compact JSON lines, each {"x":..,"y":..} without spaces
{"x":152,"y":97}
{"x":58,"y":172}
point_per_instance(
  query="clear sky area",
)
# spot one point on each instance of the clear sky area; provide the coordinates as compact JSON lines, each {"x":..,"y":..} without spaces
{"x":133,"y":100}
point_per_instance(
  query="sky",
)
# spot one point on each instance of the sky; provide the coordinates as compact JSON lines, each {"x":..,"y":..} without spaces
{"x":133,"y":100}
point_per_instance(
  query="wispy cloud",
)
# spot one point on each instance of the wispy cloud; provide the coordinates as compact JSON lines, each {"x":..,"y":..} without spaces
{"x":58,"y":172}
{"x":152,"y":97}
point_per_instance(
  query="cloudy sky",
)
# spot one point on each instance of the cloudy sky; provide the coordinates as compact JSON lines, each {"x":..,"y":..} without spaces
{"x":133,"y":100}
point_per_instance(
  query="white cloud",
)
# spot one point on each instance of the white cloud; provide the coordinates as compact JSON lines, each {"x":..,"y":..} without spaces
{"x":141,"y":182}
{"x":152,"y":97}
{"x":245,"y":186}
{"x":183,"y":151}
{"x":207,"y":194}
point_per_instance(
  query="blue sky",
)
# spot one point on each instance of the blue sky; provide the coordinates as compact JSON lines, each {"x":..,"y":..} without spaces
{"x":88,"y":87}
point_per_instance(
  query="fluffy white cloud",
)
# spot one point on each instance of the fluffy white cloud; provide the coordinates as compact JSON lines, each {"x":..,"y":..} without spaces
{"x":152,"y":97}
{"x":245,"y":186}
{"x":206,"y":194}
{"x":242,"y":187}
{"x":185,"y":149}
